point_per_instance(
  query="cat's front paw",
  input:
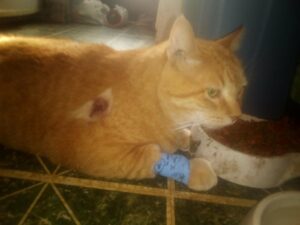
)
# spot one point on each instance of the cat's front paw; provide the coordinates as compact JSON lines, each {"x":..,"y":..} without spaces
{"x":184,"y":139}
{"x":202,"y":176}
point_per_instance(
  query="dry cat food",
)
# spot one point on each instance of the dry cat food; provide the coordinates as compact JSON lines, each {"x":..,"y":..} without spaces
{"x":266,"y":138}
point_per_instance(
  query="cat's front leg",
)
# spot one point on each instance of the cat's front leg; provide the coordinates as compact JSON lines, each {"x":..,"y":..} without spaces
{"x":186,"y":141}
{"x":196,"y":173}
{"x":147,"y":161}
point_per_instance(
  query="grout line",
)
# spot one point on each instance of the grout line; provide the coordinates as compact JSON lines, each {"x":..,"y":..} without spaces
{"x":33,"y":204}
{"x":88,"y":183}
{"x":61,"y":32}
{"x":57,"y":192}
{"x":64,"y":172}
{"x":120,"y":187}
{"x":19,"y":191}
{"x":56,"y":169}
{"x":43,"y":164}
{"x":65,"y":204}
{"x":45,"y":167}
{"x":215,"y":199}
{"x":170,"y":203}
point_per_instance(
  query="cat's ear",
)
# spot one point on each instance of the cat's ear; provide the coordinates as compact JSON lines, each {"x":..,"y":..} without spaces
{"x":96,"y":108}
{"x":182,"y":41}
{"x":233,"y":40}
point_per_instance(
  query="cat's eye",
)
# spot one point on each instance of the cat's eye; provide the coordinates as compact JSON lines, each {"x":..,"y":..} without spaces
{"x":213,"y":93}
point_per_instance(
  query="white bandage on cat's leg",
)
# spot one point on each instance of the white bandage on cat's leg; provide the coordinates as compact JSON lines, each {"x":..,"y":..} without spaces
{"x":173,"y":166}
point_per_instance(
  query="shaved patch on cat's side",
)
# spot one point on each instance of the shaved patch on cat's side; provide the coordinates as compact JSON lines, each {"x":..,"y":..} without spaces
{"x":96,"y":108}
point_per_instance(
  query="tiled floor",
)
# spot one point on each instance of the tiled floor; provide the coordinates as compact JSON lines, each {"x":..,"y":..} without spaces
{"x":123,"y":38}
{"x":34,"y":191}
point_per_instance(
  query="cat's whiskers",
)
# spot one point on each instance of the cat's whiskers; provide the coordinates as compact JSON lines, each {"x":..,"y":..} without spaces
{"x":193,"y":121}
{"x":215,"y":122}
{"x":184,"y":125}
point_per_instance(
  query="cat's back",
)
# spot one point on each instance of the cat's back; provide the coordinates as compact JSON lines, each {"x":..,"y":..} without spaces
{"x":14,"y":48}
{"x":43,"y":80}
{"x":44,"y":59}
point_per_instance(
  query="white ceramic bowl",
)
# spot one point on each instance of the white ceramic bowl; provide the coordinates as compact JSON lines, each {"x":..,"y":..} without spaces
{"x":282,"y":208}
{"x":245,"y":169}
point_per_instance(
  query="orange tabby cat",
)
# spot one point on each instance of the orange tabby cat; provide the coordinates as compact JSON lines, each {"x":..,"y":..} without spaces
{"x":111,"y":114}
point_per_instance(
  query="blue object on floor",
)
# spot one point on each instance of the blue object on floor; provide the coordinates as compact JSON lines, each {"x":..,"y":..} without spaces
{"x":173,"y":166}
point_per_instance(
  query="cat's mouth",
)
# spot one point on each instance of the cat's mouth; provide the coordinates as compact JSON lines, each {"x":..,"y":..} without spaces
{"x":218,"y":122}
{"x":208,"y":122}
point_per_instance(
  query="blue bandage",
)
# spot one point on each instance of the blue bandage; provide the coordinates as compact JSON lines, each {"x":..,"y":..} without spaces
{"x":173,"y":166}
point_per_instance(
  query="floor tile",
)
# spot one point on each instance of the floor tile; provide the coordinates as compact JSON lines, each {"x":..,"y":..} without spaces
{"x":11,"y":159}
{"x":85,"y":33}
{"x":38,"y":29}
{"x":291,"y":185}
{"x":226,"y":188}
{"x":139,"y":31}
{"x":13,"y":209}
{"x":9,"y":187}
{"x":49,"y":210}
{"x":196,"y":213}
{"x":94,"y":207}
{"x":124,"y":38}
{"x":124,"y":42}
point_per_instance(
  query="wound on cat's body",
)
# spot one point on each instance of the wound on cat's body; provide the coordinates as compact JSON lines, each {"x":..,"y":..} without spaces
{"x":96,"y":108}
{"x":99,"y":107}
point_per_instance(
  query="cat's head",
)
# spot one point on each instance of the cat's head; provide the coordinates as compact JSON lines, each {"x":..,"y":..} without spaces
{"x":202,"y":81}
